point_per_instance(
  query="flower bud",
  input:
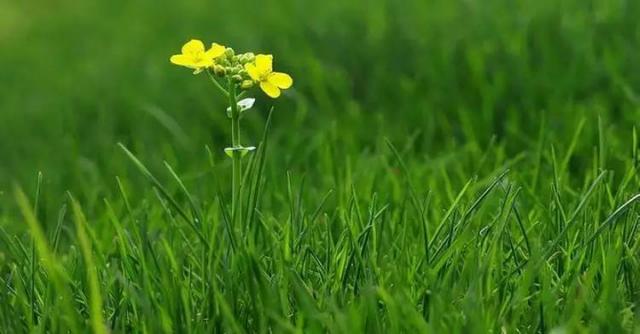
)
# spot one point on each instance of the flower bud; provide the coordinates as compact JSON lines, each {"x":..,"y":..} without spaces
{"x":219,"y":70}
{"x":229,"y":53}
{"x":246,"y":84}
{"x":236,"y":78}
{"x":247,"y":57}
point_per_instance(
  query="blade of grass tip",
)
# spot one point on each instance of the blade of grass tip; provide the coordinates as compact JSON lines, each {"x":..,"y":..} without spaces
{"x":256,"y":188}
{"x":120,"y":238}
{"x":5,"y":237}
{"x":34,"y":260}
{"x":454,"y":205}
{"x":586,"y":196}
{"x":572,"y":146}
{"x":252,"y":200}
{"x":48,"y":260}
{"x":192,"y":203}
{"x":612,"y":218}
{"x":374,"y":214}
{"x":602,"y":146}
{"x":523,"y":231}
{"x":447,"y":184}
{"x":539,"y":153}
{"x":210,"y":157}
{"x":511,"y":197}
{"x":62,"y":214}
{"x":565,"y":229}
{"x":290,"y":197}
{"x":312,"y":219}
{"x":163,"y":191}
{"x":291,"y":222}
{"x":414,"y":198}
{"x":248,"y":173}
{"x":20,"y":297}
{"x":95,"y":295}
{"x":173,"y":222}
{"x":318,"y":210}
{"x":168,"y":122}
{"x":489,"y":229}
{"x":356,"y":259}
{"x":155,"y":182}
{"x":124,"y":266}
{"x":485,"y":193}
{"x":125,"y":198}
{"x":485,"y":156}
{"x":635,"y":149}
{"x":20,"y":247}
{"x":555,"y":186}
{"x":632,"y":234}
{"x":198,"y":216}
{"x":356,"y":207}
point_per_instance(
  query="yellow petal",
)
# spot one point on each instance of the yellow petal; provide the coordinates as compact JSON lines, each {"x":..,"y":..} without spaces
{"x":280,"y":80}
{"x":182,"y":60}
{"x":193,"y":46}
{"x":203,"y":62}
{"x":270,"y":89}
{"x":264,"y":63}
{"x":216,"y":51}
{"x":253,"y":71}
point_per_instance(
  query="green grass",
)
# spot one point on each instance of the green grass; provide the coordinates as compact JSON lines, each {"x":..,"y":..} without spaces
{"x":439,"y":166}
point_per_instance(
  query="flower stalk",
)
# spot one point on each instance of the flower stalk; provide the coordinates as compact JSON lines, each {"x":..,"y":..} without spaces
{"x":240,"y":72}
{"x":236,"y":155}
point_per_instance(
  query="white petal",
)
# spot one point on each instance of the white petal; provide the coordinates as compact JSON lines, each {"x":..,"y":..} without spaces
{"x":244,"y":104}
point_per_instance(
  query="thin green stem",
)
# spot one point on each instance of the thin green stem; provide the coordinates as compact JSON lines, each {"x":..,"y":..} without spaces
{"x":216,"y":83}
{"x":236,"y":155}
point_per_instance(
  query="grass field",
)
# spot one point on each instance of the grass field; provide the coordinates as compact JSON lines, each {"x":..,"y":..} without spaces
{"x":440,"y":166}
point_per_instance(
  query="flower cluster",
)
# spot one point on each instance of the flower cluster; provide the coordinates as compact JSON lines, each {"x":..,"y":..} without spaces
{"x":244,"y":70}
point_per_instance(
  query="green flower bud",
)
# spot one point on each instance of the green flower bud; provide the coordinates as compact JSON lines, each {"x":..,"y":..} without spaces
{"x":219,"y":70}
{"x":246,"y":58}
{"x":229,"y":53}
{"x":237,"y":78}
{"x":246,"y":84}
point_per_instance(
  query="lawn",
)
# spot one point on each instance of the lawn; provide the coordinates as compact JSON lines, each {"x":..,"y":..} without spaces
{"x":438,"y":166}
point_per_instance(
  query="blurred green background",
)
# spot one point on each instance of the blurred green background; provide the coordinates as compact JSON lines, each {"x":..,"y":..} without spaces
{"x":437,"y":76}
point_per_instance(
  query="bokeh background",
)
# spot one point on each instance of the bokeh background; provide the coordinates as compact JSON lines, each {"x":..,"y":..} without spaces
{"x":436,"y":77}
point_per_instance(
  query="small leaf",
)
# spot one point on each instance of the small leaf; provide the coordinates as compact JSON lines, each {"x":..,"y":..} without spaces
{"x":243,"y":105}
{"x":243,"y":150}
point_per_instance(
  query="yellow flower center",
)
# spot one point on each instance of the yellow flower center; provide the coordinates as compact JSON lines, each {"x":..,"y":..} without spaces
{"x":264,"y":76}
{"x":196,"y":56}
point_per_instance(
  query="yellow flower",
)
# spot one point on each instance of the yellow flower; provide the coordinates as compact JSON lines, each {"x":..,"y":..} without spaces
{"x":271,"y":82}
{"x":194,"y":55}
